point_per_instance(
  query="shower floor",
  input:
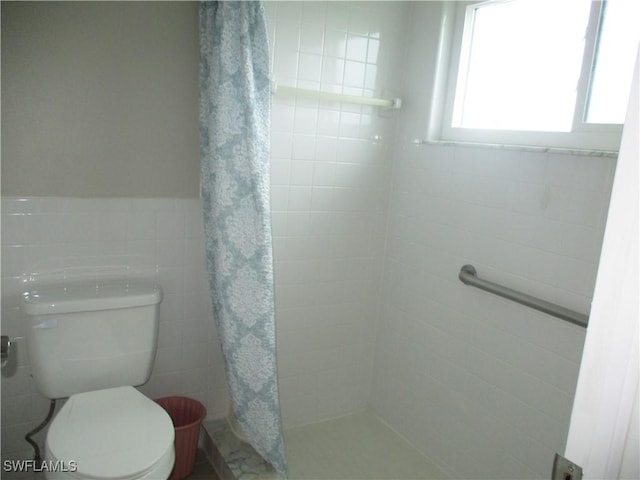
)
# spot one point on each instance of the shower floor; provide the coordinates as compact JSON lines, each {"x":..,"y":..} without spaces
{"x":357,"y":446}
{"x":353,"y":447}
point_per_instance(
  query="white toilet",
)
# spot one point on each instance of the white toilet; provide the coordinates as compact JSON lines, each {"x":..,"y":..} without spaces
{"x":93,"y":342}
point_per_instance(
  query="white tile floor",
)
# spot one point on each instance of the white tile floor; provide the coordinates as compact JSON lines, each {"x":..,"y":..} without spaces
{"x":354,"y":447}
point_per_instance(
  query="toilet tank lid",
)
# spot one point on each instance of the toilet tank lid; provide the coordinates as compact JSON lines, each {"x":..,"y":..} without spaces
{"x":70,"y":297}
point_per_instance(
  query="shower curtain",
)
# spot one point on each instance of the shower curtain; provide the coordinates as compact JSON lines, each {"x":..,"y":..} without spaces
{"x":234,"y":149}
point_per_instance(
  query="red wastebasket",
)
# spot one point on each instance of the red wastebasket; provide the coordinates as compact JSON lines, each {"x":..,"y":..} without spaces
{"x":187,"y":415}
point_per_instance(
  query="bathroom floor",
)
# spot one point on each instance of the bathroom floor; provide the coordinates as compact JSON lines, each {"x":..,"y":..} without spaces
{"x":203,"y":469}
{"x":357,"y":446}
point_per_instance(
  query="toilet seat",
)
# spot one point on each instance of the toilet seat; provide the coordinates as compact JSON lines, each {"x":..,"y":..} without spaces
{"x":116,"y":433}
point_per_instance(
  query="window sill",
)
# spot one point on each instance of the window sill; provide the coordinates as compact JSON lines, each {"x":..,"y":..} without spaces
{"x":523,"y":148}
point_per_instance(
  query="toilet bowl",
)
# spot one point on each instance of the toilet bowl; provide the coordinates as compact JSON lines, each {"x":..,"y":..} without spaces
{"x":115,"y":433}
{"x":91,"y":343}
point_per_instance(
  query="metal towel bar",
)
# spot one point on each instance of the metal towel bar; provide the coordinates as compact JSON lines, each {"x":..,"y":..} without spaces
{"x":468,"y":276}
{"x":393,"y":103}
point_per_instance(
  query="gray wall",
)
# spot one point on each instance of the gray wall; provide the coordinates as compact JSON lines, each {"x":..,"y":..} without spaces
{"x":100,"y":99}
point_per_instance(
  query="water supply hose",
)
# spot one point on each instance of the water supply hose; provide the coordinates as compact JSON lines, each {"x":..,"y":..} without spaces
{"x":37,"y":458}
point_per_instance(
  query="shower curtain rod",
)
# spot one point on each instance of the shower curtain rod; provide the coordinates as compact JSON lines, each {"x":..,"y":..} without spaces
{"x":468,"y":276}
{"x":394,"y":103}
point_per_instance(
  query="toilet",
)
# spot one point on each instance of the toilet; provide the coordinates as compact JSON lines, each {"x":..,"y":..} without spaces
{"x":92,"y":343}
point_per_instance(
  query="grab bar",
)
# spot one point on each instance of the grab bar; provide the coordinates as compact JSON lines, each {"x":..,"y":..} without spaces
{"x":468,"y":276}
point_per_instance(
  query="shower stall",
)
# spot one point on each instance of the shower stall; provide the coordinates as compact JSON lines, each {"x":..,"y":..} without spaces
{"x":376,"y":334}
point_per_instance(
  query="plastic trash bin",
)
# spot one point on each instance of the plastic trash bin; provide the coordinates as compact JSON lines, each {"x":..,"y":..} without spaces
{"x":187,"y":415}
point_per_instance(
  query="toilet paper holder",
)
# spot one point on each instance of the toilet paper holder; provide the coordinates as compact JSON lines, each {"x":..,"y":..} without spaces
{"x":5,"y":347}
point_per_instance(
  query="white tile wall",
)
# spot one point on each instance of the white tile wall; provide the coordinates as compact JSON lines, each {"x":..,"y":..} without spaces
{"x":480,"y":384}
{"x":330,"y":178}
{"x":157,"y":238}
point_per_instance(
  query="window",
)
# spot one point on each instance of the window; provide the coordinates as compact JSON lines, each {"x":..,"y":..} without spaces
{"x":613,"y":65}
{"x":541,"y":72}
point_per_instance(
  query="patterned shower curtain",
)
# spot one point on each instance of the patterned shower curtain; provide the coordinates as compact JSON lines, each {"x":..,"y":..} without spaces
{"x":234,"y":149}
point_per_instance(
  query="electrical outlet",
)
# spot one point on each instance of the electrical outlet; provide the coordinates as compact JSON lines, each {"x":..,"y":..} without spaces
{"x":563,"y":469}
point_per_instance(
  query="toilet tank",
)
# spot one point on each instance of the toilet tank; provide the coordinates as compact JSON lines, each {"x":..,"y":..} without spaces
{"x":89,"y":336}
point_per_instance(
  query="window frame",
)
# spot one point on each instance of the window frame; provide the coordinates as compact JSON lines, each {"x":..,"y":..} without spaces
{"x":584,"y":136}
